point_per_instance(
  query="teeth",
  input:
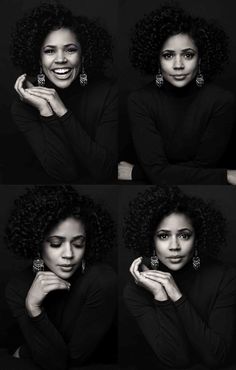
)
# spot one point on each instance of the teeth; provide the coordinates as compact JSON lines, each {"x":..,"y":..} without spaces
{"x":61,"y":70}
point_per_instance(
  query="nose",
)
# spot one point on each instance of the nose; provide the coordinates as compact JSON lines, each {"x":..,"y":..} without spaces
{"x":174,"y":244}
{"x":67,"y":251}
{"x":178,"y":62}
{"x":60,"y":57}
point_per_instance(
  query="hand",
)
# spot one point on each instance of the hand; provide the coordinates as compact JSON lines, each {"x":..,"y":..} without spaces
{"x":167,"y":282}
{"x":125,"y":171}
{"x":39,"y":103}
{"x":44,"y":283}
{"x":151,"y":285}
{"x":231,"y":177}
{"x":51,"y":97}
{"x":16,"y":354}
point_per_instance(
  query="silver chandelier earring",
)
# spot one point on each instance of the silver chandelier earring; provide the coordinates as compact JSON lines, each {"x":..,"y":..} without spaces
{"x":159,"y":79}
{"x":83,"y":77}
{"x":199,"y":78}
{"x":38,"y":264}
{"x":154,"y":261}
{"x":41,"y":77}
{"x":196,"y":261}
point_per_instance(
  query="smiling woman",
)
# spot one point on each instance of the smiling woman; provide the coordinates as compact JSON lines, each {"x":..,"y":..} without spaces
{"x":64,"y":303}
{"x":66,"y":109}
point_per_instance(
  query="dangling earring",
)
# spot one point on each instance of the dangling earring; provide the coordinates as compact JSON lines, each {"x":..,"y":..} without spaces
{"x":38,"y":264}
{"x":41,"y":77}
{"x":83,"y":78}
{"x":154,"y":261}
{"x":196,"y":261}
{"x":159,"y":79}
{"x":199,"y":78}
{"x":83,"y":264}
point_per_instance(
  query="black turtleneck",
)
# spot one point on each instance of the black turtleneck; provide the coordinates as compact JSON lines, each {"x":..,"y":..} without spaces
{"x":198,"y":329}
{"x":74,"y":328}
{"x":181,"y":134}
{"x":79,"y":147}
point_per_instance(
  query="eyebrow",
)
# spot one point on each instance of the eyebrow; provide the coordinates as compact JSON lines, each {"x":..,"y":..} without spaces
{"x":179,"y":230}
{"x":183,"y":50}
{"x":54,"y":46}
{"x":63,"y":238}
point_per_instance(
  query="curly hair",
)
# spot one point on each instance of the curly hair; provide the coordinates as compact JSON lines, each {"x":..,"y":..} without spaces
{"x":30,"y":31}
{"x":149,"y":208}
{"x":41,"y":208}
{"x":150,"y":33}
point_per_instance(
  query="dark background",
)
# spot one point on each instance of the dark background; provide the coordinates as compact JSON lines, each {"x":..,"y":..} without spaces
{"x":130,"y":11}
{"x":133,"y":348}
{"x":10,"y":264}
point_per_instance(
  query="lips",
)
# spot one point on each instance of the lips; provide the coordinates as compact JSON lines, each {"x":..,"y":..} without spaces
{"x":61,"y":71}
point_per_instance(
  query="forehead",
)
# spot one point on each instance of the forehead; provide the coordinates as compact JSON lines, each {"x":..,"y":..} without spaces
{"x":69,"y":226}
{"x":179,"y":42}
{"x":175,"y":221}
{"x":63,"y":36}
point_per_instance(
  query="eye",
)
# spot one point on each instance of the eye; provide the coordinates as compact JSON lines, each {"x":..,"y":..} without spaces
{"x":48,"y":51}
{"x":79,"y":242}
{"x":162,"y":236}
{"x":189,"y":55}
{"x":185,"y":236}
{"x":72,"y":50}
{"x":55,"y":242}
{"x":167,"y":56}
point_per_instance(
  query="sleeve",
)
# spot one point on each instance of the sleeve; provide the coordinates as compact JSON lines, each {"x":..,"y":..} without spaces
{"x":45,"y":137}
{"x":95,"y":318}
{"x":99,"y":154}
{"x":160,"y":326}
{"x":47,"y":347}
{"x":212,"y":337}
{"x":151,"y":152}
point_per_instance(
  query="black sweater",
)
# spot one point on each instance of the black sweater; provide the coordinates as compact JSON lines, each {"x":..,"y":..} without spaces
{"x":73,"y":328}
{"x":180,"y":135}
{"x":200,"y":327}
{"x":81,"y":146}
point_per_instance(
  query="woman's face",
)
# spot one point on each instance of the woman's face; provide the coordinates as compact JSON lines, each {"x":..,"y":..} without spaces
{"x":64,"y":247}
{"x":179,"y":60}
{"x":60,"y":57}
{"x":174,"y":241}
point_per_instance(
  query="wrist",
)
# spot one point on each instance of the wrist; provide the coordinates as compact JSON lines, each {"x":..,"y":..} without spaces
{"x":61,"y":112}
{"x":160,"y":296}
{"x":46,"y":112}
{"x":32,"y":310}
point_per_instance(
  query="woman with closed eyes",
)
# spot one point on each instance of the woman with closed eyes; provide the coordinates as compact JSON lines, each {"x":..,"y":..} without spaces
{"x":64,"y":304}
{"x":66,"y":109}
{"x":182,"y":298}
{"x":181,"y":122}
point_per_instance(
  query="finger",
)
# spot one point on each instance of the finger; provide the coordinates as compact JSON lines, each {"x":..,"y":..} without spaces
{"x":29,"y":84}
{"x":43,"y":90}
{"x":135,"y":265}
{"x":50,"y":287}
{"x":19,"y":85}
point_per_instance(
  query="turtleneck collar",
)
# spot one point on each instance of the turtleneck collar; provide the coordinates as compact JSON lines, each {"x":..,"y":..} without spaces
{"x":179,"y":92}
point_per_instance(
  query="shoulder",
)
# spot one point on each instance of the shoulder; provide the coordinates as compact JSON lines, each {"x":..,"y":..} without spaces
{"x":101,"y":276}
{"x":218,"y":94}
{"x":221,"y":274}
{"x":144,"y":93}
{"x":17,"y":289}
{"x":101,"y":88}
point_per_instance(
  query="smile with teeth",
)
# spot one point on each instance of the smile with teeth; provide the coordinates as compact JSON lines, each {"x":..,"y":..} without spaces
{"x":61,"y":71}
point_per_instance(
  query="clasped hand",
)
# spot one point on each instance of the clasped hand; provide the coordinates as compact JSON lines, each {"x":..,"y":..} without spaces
{"x":43,"y":283}
{"x":160,"y":284}
{"x":45,"y":100}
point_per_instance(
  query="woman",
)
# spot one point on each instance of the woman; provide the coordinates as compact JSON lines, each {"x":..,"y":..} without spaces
{"x":65,"y":109}
{"x":180,"y":123}
{"x":182,"y":298}
{"x":65,"y":302}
